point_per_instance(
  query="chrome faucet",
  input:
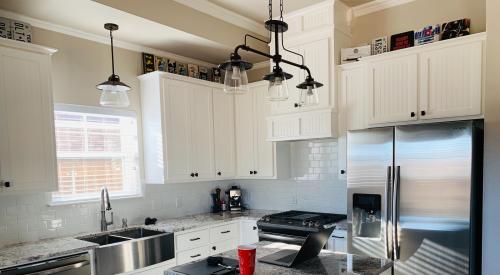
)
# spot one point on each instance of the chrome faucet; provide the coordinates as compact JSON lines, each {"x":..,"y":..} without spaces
{"x":105,"y":206}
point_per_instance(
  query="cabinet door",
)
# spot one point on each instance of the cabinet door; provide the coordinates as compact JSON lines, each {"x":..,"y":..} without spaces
{"x":451,"y":81}
{"x":317,"y":57}
{"x":264,"y":159}
{"x":245,"y":146}
{"x":202,"y":132}
{"x":249,"y":233}
{"x":27,"y":143}
{"x":353,"y":89}
{"x":177,"y":129}
{"x":392,"y":90}
{"x":225,"y":147}
{"x":289,"y":106}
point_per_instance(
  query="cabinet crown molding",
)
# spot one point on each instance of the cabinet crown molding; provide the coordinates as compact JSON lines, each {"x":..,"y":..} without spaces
{"x":9,"y":43}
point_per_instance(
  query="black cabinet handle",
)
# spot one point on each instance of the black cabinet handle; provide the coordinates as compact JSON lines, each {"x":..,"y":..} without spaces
{"x":194,"y":239}
{"x":192,"y":175}
{"x":342,"y":172}
{"x":219,"y":173}
{"x":214,"y":247}
{"x":254,"y":228}
{"x":195,"y":256}
{"x":255,"y":172}
{"x":338,"y":237}
{"x":422,"y":113}
{"x":412,"y":114}
{"x":251,"y":172}
{"x":225,"y":232}
{"x":196,"y":174}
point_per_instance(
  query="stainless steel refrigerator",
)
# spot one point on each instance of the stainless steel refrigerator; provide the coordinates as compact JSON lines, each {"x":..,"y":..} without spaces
{"x":414,"y":196}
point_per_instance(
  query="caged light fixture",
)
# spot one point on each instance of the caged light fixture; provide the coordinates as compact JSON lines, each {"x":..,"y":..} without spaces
{"x":236,"y":80}
{"x":113,"y":91}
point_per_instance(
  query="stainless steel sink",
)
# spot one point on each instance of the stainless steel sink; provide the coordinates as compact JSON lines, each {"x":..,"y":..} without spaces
{"x":136,"y":233}
{"x":130,"y":249}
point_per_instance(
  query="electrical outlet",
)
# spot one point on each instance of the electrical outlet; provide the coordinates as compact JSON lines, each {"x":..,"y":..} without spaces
{"x":178,"y":202}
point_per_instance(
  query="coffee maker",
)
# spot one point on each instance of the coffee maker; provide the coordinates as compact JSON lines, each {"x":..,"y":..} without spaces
{"x":235,"y":202}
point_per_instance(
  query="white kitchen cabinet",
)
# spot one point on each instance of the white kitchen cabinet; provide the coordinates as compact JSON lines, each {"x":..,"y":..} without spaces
{"x":249,"y":233}
{"x":353,"y":96}
{"x":392,"y":89}
{"x":27,"y":142}
{"x":157,"y":269}
{"x":178,"y":128}
{"x":255,"y":156}
{"x":338,"y":241}
{"x":451,"y":81}
{"x":224,"y":135}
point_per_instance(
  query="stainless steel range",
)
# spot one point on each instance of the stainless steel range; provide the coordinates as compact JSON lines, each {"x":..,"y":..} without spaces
{"x":294,"y":226}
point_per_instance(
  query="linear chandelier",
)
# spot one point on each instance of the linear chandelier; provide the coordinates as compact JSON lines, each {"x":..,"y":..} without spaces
{"x":236,"y":80}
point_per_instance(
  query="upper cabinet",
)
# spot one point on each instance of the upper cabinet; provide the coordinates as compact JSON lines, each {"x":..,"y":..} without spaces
{"x":224,"y":135}
{"x":27,"y":142}
{"x":435,"y":82}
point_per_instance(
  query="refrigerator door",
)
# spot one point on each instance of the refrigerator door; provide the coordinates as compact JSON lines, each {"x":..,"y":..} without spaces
{"x":369,"y":181}
{"x":432,"y":198}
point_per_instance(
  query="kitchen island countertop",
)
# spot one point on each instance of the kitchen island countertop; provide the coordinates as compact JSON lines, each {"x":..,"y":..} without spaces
{"x":327,"y":263}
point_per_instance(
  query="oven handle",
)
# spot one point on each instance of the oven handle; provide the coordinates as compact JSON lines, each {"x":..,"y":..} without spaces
{"x":59,"y":269}
{"x":274,"y":237}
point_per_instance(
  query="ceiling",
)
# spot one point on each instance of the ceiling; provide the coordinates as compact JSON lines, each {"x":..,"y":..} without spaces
{"x":91,"y":17}
{"x":353,"y":3}
{"x":258,"y":9}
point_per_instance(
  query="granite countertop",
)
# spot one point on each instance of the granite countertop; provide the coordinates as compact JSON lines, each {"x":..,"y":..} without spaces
{"x":327,"y":262}
{"x":26,"y":253}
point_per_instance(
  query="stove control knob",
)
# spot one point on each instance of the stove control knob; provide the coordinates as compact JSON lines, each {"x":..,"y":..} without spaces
{"x":305,"y":223}
{"x":267,"y":219}
{"x":311,"y":224}
{"x":317,"y":224}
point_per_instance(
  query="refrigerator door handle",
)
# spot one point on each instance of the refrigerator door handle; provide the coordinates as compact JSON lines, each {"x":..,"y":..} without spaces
{"x":388,"y":202}
{"x":395,"y":211}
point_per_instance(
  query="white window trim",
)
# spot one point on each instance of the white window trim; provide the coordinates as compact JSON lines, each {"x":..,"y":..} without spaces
{"x":103,"y":111}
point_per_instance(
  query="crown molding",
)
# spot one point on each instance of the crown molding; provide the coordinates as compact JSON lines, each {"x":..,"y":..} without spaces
{"x":376,"y":5}
{"x":98,"y":38}
{"x":226,"y":15}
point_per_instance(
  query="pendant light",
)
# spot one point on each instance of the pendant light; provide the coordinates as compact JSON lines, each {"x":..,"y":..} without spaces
{"x":309,"y":92}
{"x":235,"y":80}
{"x":114,"y":93}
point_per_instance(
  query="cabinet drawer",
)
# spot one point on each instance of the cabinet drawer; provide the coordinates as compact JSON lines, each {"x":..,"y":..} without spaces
{"x":223,"y":246}
{"x":224,"y":232}
{"x":192,"y":255}
{"x":192,"y":240}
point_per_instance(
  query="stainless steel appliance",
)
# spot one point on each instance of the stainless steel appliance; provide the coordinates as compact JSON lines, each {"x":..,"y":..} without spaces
{"x":78,"y":264}
{"x":235,"y":201}
{"x":294,"y":226}
{"x":414,"y":196}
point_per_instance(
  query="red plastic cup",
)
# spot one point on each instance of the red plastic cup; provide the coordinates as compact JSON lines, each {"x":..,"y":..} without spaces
{"x":246,"y":253}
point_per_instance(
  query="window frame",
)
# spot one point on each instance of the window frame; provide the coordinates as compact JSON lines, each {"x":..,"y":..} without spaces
{"x":113,"y":195}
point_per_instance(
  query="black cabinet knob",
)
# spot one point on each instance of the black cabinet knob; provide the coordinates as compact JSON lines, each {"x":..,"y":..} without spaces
{"x":6,"y":184}
{"x":296,"y":105}
{"x":251,"y":172}
{"x":196,"y":174}
{"x":214,"y":248}
{"x":219,"y":173}
{"x":422,"y":113}
{"x":254,"y":228}
{"x":255,"y":172}
{"x":192,"y":175}
{"x":342,"y":172}
{"x":412,"y":114}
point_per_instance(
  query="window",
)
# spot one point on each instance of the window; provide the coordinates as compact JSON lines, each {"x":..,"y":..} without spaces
{"x":95,"y":147}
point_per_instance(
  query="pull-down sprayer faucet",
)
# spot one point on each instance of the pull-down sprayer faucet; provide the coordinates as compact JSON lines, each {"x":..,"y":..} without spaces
{"x":105,"y":206}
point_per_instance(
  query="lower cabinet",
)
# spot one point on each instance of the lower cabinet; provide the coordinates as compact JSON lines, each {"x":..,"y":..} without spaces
{"x":249,"y":232}
{"x":338,"y":241}
{"x":200,"y":243}
{"x":157,"y":269}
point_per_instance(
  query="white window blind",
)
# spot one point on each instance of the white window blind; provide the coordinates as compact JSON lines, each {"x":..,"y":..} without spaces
{"x":95,"y":147}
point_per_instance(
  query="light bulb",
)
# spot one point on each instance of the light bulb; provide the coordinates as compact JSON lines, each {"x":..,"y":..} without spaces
{"x":278,"y":89}
{"x":236,"y":81}
{"x":236,"y":75}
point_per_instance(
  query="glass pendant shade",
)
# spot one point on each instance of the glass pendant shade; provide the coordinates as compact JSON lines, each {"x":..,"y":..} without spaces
{"x":114,"y":93}
{"x":278,"y":89}
{"x":236,"y":80}
{"x":309,"y":96}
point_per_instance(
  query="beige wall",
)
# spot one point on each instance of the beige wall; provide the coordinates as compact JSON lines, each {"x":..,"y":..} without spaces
{"x":257,"y":74}
{"x":491,"y":217}
{"x":416,"y":15}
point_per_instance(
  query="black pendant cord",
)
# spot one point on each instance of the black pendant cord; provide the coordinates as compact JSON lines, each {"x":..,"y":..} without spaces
{"x":112,"y":53}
